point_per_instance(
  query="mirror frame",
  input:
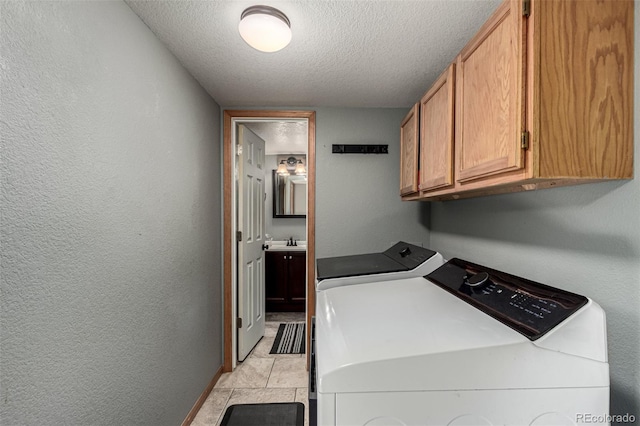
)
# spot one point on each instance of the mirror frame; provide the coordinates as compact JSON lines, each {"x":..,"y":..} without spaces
{"x":273,"y":198}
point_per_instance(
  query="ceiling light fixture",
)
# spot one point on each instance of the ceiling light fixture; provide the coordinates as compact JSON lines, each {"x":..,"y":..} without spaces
{"x":265,"y":28}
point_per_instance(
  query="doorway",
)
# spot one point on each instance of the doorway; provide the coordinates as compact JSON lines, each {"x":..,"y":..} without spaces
{"x":231,"y":117}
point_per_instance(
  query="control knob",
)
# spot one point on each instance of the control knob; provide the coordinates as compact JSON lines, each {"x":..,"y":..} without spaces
{"x":476,"y":280}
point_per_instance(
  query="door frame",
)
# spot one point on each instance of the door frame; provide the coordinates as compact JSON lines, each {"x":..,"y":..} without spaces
{"x":229,"y":231}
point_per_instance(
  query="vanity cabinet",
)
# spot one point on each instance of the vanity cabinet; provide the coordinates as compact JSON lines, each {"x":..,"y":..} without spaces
{"x":543,"y":98}
{"x":285,"y":281}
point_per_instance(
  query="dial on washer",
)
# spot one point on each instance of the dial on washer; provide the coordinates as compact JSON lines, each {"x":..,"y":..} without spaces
{"x":476,"y":280}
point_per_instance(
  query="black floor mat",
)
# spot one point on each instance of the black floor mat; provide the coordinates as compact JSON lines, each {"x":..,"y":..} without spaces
{"x":272,"y":414}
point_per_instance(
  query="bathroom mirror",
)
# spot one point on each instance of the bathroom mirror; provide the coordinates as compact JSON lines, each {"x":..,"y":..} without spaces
{"x":289,"y":195}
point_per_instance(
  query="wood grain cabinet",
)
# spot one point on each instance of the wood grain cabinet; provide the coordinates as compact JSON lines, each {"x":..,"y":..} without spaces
{"x":409,"y":134}
{"x":436,"y":133}
{"x":543,"y":98}
{"x":285,"y":281}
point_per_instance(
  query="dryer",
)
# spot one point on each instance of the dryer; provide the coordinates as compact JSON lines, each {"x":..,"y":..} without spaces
{"x":465,"y":345}
{"x":402,"y":260}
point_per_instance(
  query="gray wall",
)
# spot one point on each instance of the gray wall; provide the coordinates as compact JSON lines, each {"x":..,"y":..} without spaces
{"x":584,"y":238}
{"x":280,"y":228}
{"x":110,"y":234}
{"x":358,"y":207}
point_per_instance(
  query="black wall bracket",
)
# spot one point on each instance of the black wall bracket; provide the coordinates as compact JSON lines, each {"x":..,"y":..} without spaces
{"x":359,"y":149}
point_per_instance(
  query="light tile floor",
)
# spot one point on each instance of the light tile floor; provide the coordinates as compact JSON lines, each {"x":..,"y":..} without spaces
{"x":262,"y":377}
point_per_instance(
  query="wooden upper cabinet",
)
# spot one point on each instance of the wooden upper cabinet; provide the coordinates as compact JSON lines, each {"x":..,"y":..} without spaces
{"x":564,"y":112}
{"x":409,"y":152}
{"x":582,"y":88}
{"x":436,"y":133}
{"x":542,"y":99}
{"x":490,"y":97}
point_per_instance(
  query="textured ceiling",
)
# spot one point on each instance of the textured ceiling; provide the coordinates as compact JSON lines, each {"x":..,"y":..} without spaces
{"x":350,"y":53}
{"x":281,"y":137}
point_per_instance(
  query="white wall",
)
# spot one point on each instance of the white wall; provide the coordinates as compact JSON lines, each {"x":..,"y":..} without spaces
{"x":584,"y":238}
{"x":110,"y":234}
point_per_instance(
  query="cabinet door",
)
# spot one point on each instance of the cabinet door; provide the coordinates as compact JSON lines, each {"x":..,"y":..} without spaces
{"x":584,"y":104}
{"x":436,"y":133}
{"x":409,"y":152}
{"x":297,"y":278}
{"x":276,"y":269}
{"x":490,"y":97}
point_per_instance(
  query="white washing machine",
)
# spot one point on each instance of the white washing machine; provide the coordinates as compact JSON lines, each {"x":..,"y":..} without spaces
{"x":466,"y":345}
{"x":402,"y":260}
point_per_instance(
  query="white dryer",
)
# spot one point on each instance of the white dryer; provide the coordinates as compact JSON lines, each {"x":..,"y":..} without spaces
{"x":466,"y":345}
{"x":402,"y":260}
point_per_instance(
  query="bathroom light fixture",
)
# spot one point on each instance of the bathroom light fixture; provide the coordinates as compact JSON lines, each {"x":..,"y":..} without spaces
{"x":282,"y":168}
{"x":291,"y":166}
{"x":301,"y":170}
{"x":265,"y":28}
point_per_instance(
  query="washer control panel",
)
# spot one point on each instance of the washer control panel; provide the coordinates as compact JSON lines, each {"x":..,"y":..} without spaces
{"x":529,"y":307}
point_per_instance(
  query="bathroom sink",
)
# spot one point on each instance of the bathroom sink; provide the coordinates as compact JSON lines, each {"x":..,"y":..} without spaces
{"x":282,"y":246}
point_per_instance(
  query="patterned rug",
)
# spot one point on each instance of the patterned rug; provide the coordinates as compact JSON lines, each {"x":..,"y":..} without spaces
{"x":290,"y":339}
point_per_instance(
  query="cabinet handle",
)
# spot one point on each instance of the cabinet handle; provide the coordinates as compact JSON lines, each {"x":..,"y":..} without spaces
{"x":284,"y":257}
{"x":290,"y":257}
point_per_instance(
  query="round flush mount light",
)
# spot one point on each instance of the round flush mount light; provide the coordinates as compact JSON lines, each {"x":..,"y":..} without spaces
{"x":265,"y":28}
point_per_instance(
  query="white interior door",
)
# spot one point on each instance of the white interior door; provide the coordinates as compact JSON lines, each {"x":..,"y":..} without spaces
{"x":251,"y":220}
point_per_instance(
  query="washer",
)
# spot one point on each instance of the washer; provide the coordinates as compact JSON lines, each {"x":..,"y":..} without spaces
{"x":466,"y":345}
{"x":402,"y":260}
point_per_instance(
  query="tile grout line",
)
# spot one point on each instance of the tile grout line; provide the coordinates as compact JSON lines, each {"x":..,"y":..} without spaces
{"x":224,"y":408}
{"x":266,"y":385}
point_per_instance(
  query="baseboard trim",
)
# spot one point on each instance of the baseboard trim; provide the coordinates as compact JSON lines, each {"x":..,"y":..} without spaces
{"x":203,"y":397}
